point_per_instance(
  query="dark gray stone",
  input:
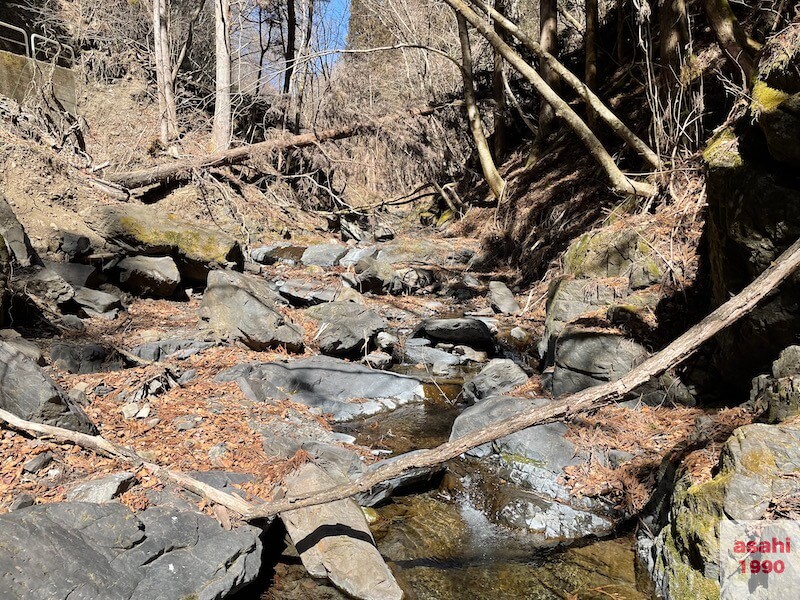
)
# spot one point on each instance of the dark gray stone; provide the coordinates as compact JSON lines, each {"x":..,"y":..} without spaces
{"x":328,"y":385}
{"x":98,"y":304}
{"x":29,"y":393}
{"x":85,"y":358}
{"x":586,"y":357}
{"x":38,"y":462}
{"x":345,"y":328}
{"x":373,"y":275}
{"x":173,"y":348}
{"x":44,"y":284}
{"x":243,"y":307}
{"x":149,"y":276}
{"x":16,"y":240}
{"x":103,"y":489}
{"x":300,"y":292}
{"x":498,"y":377}
{"x":77,"y":275}
{"x":470,"y":332}
{"x":103,"y":551}
{"x":269,"y":254}
{"x":323,"y":255}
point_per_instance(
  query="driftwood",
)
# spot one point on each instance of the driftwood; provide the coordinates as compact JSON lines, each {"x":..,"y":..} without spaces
{"x":182,"y":169}
{"x":99,"y":444}
{"x":589,"y":399}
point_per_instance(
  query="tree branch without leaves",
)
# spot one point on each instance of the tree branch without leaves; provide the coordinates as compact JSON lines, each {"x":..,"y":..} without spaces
{"x":589,"y":399}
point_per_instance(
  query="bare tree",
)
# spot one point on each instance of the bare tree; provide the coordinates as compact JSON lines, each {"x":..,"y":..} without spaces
{"x":548,"y":40}
{"x":592,"y":25}
{"x":730,"y":36}
{"x":168,"y":116}
{"x":221,"y":130}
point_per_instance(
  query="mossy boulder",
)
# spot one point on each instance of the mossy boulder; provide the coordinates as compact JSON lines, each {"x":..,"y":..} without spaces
{"x":683,"y":556}
{"x":776,"y":95}
{"x":146,"y":230}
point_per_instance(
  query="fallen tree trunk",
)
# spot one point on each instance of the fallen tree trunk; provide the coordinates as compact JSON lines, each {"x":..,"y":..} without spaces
{"x":619,"y":182}
{"x":99,"y":444}
{"x":588,"y":399}
{"x":182,"y":169}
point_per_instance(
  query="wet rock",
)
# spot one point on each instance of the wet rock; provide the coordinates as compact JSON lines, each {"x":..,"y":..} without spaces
{"x":157,"y":277}
{"x":424,"y":355}
{"x":586,"y":357}
{"x":328,"y":385}
{"x":93,"y":551}
{"x":345,"y":328}
{"x":334,"y":541}
{"x":532,"y":463}
{"x":413,"y":478}
{"x":323,"y":255}
{"x":101,"y":490}
{"x":149,"y":230}
{"x":502,"y":298}
{"x":470,"y":332}
{"x":85,"y":358}
{"x":499,"y":377}
{"x":29,"y":393}
{"x":244,"y":308}
{"x":683,"y":555}
{"x":98,"y":304}
{"x":170,"y":349}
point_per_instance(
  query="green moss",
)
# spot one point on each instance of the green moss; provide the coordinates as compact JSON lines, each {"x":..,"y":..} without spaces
{"x":766,"y":99}
{"x":189,"y":241}
{"x":576,"y":253}
{"x":685,"y":583}
{"x":511,"y":458}
{"x":723,"y":150}
{"x":760,"y":462}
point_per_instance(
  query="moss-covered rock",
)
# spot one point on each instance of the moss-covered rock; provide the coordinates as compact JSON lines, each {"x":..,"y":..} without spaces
{"x":146,"y":230}
{"x":684,"y":554}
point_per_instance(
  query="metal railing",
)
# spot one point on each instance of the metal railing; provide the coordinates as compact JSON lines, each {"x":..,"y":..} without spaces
{"x":35,"y":46}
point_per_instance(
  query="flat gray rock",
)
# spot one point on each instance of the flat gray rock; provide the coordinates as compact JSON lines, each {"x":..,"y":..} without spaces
{"x":470,"y":332}
{"x":27,"y":391}
{"x":98,"y":304}
{"x":328,"y":385}
{"x":323,"y":255}
{"x":91,"y":551}
{"x":177,"y":348}
{"x":334,"y":540}
{"x":83,"y":359}
{"x":103,"y":489}
{"x":502,"y":298}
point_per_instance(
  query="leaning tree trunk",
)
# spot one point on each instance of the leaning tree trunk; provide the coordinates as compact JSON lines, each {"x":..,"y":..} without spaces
{"x":302,"y":74}
{"x":221,"y":130}
{"x":610,"y":119}
{"x":619,"y":182}
{"x":499,"y":94}
{"x":490,"y":174}
{"x":730,"y":36}
{"x":289,"y":56}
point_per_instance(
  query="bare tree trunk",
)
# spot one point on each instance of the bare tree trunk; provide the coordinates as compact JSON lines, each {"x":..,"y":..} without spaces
{"x":569,"y":406}
{"x":490,"y":174}
{"x":221,"y":130}
{"x":178,"y":170}
{"x":548,"y":40}
{"x":673,"y":29}
{"x":592,"y":25}
{"x":187,"y":44}
{"x":289,"y":55}
{"x":168,"y":119}
{"x":499,"y":94}
{"x":302,"y":75}
{"x":730,"y":36}
{"x":617,"y":126}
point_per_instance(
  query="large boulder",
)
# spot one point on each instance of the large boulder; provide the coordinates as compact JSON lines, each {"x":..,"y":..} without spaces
{"x":756,"y":469}
{"x":103,"y":551}
{"x":149,"y":275}
{"x":324,"y":255}
{"x":328,"y":385}
{"x":498,"y":377}
{"x":334,"y":540}
{"x":527,"y":469}
{"x":777,"y":395}
{"x":470,"y":332}
{"x":147,"y":230}
{"x":243,"y":307}
{"x":27,"y":391}
{"x":346,"y":328}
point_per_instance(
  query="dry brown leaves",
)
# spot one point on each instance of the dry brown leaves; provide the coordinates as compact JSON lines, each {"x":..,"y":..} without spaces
{"x":650,"y":435}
